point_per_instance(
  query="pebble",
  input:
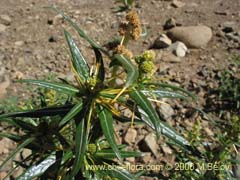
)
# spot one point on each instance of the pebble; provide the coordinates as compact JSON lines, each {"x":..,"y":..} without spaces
{"x":170,"y":23}
{"x":191,"y":36}
{"x":179,"y":49}
{"x":166,"y":111}
{"x":228,"y":26}
{"x":130,"y":136}
{"x":2,"y":28}
{"x":233,"y":36}
{"x":19,"y":43}
{"x":151,"y":143}
{"x":6,"y":20}
{"x":168,"y":56}
{"x":177,"y":4}
{"x":162,"y":42}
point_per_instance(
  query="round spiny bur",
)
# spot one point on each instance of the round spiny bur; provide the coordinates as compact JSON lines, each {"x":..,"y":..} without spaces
{"x":147,"y":66}
{"x":149,"y":55}
{"x":120,"y":49}
{"x":132,"y":17}
{"x":92,"y":148}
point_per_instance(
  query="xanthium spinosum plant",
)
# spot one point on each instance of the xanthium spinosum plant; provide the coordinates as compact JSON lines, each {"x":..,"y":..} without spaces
{"x":66,"y":138}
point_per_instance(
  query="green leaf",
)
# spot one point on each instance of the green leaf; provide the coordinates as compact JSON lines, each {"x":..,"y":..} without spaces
{"x":120,"y":173}
{"x":106,"y":121}
{"x":13,"y":137}
{"x":80,"y":149}
{"x":78,"y":29}
{"x":15,"y":151}
{"x":51,"y":111}
{"x":110,"y":154}
{"x":165,"y":129}
{"x":99,"y":62}
{"x":163,"y":94}
{"x":72,"y":113}
{"x":37,"y":170}
{"x":132,"y":72}
{"x":173,"y":87}
{"x":141,"y":100}
{"x":79,"y":63}
{"x":60,"y":87}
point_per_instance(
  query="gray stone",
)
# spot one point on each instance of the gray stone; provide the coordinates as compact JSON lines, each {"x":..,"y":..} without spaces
{"x":177,"y":4}
{"x":170,"y":23}
{"x":191,"y":36}
{"x":168,"y":56}
{"x":6,"y":20}
{"x":162,"y":42}
{"x":150,"y":141}
{"x":130,"y":136}
{"x":179,"y":49}
{"x":2,"y":28}
{"x":166,"y":111}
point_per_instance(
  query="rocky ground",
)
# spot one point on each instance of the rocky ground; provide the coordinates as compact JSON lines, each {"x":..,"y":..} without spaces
{"x":32,"y":44}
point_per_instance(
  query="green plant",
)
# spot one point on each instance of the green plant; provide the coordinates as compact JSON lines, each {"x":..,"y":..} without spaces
{"x":125,"y":5}
{"x":68,"y":138}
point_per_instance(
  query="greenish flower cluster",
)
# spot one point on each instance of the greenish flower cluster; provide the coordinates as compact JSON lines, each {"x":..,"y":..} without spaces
{"x":145,"y":62}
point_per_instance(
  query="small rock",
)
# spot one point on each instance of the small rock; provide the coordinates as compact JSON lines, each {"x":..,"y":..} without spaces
{"x":162,"y":42}
{"x":52,"y":39}
{"x":177,"y":4}
{"x":170,"y":23}
{"x":19,"y":43}
{"x":168,"y":56}
{"x":2,"y":28}
{"x":228,"y":26}
{"x":58,"y":19}
{"x":3,"y":87}
{"x":18,"y":75}
{"x":150,"y":141}
{"x":166,"y":111}
{"x":233,"y":36}
{"x":209,"y":131}
{"x":146,"y":158}
{"x":6,"y":20}
{"x":166,"y":149}
{"x":130,"y":136}
{"x":179,"y":49}
{"x":191,"y":36}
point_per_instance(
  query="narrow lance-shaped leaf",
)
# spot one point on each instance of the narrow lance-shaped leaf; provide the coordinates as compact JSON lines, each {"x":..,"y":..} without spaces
{"x":100,"y":65}
{"x":142,"y":101}
{"x":72,"y":113}
{"x":163,"y":94}
{"x":110,"y":154}
{"x":15,"y":151}
{"x":132,"y":72}
{"x":78,"y":29}
{"x":13,"y":137}
{"x":106,"y":121}
{"x":173,"y":87}
{"x":60,"y":87}
{"x":165,"y":129}
{"x":51,"y":111}
{"x":80,"y":149}
{"x":120,"y":173}
{"x":38,"y":170}
{"x":79,"y":63}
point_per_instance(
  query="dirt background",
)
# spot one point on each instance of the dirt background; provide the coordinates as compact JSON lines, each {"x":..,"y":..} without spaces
{"x":32,"y":41}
